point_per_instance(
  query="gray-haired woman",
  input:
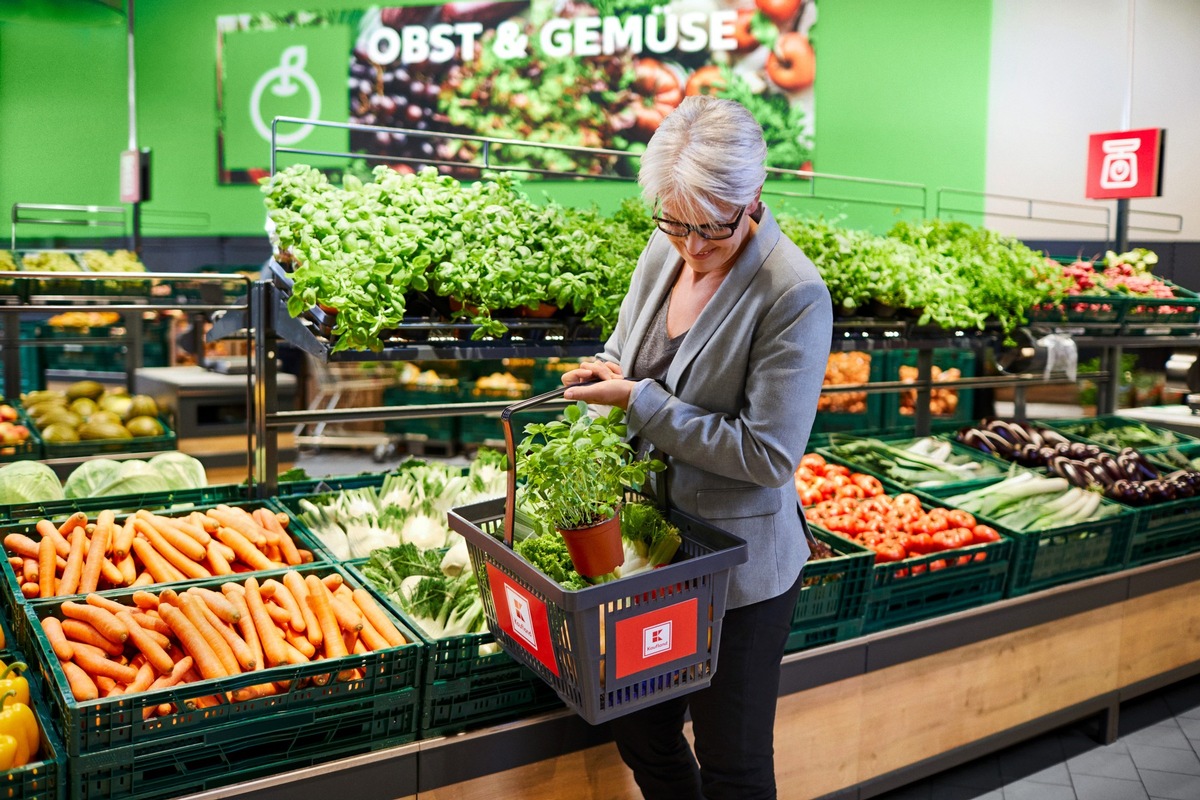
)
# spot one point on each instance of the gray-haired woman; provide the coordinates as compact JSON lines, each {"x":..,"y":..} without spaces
{"x":718,"y":357}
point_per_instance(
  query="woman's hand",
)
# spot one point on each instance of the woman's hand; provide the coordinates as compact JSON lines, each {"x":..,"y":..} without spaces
{"x":611,"y":389}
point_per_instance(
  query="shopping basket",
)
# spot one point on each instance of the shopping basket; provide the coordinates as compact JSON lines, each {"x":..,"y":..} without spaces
{"x":610,"y":649}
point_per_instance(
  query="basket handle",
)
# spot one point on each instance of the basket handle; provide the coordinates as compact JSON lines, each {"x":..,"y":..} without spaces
{"x":510,"y":503}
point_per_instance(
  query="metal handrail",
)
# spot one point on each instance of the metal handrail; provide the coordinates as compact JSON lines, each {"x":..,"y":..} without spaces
{"x":1029,"y":202}
{"x":17,"y":217}
{"x":1178,"y":218}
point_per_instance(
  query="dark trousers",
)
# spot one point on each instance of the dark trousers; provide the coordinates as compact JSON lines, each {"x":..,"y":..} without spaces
{"x":733,"y":719}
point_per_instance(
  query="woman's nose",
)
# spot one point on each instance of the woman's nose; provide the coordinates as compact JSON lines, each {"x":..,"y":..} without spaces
{"x":696,"y":243}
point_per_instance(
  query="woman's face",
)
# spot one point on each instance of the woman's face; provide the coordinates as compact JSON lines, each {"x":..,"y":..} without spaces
{"x":709,"y":255}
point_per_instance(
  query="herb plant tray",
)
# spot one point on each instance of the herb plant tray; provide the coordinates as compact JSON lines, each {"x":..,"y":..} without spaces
{"x":833,"y":599}
{"x":205,"y":707}
{"x":617,"y":647}
{"x":45,"y":778}
{"x":1104,"y":432}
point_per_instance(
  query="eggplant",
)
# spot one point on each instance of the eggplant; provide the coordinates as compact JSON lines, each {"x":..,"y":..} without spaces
{"x":1020,"y":431}
{"x":1027,"y":455}
{"x":1144,"y":466}
{"x":1123,"y":491}
{"x":998,"y":444}
{"x":1006,"y":431}
{"x":1097,"y":471}
{"x":1111,"y":466}
{"x":1063,"y":449}
{"x":1183,"y":487}
{"x":1159,"y":491}
{"x":1046,"y":453}
{"x":1053,"y":437}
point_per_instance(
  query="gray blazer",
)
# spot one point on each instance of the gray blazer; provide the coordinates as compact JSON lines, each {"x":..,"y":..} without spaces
{"x":733,"y":416}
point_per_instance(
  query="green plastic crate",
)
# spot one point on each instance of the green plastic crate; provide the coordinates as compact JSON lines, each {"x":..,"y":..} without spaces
{"x":1041,"y":559}
{"x":98,"y":726}
{"x":92,"y":447}
{"x":832,"y":600}
{"x":32,"y":361}
{"x":1165,"y":530}
{"x":235,"y":751}
{"x":1063,"y":426}
{"x":14,"y":600}
{"x":905,"y":438}
{"x":896,"y":421}
{"x":1080,"y":310}
{"x":45,"y":778}
{"x":1153,"y":316}
{"x":437,"y":429}
{"x":102,"y":356}
{"x":31,"y":448}
{"x":867,"y":422}
{"x":151,"y":501}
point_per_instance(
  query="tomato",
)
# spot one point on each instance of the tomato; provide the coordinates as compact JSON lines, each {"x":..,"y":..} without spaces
{"x":706,"y":80}
{"x":659,"y":92}
{"x":936,"y":565}
{"x":889,"y":551}
{"x":805,"y":474}
{"x":792,"y":65}
{"x":742,"y":34}
{"x":906,"y":501}
{"x":839,"y":480}
{"x":961,"y":519}
{"x":813,"y":461}
{"x":850,"y":491}
{"x":920,"y":543}
{"x":984,"y":533}
{"x":779,"y":11}
{"x":869,"y":484}
{"x":809,"y":497}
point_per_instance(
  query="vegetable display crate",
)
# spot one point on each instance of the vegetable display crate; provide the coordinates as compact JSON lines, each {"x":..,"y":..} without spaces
{"x":104,"y":356}
{"x":1165,"y":530}
{"x":548,"y":372}
{"x":1080,"y":310}
{"x":832,"y":601}
{"x":831,"y":414}
{"x":465,"y":687}
{"x":1068,"y":428}
{"x":91,"y":447}
{"x":898,"y":407}
{"x":22,"y":451}
{"x":45,"y":778}
{"x":97,"y":727}
{"x":617,"y":647}
{"x":902,"y":439}
{"x":437,"y":429}
{"x":32,"y":362}
{"x":234,"y":751}
{"x":1041,"y":559}
{"x":1162,"y":315}
{"x":14,"y":599}
{"x":181,"y":500}
{"x":930,"y":585}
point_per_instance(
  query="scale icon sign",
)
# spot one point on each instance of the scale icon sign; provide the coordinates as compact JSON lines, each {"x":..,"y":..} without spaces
{"x":284,"y":81}
{"x":1120,"y":168}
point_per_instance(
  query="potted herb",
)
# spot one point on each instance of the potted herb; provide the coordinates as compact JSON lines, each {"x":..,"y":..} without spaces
{"x":576,"y":470}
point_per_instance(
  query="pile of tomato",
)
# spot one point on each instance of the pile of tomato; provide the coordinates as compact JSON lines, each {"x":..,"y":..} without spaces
{"x":818,"y":481}
{"x":898,"y":527}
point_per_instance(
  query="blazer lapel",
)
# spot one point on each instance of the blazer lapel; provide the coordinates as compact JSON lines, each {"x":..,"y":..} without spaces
{"x":721,"y":305}
{"x":664,"y":279}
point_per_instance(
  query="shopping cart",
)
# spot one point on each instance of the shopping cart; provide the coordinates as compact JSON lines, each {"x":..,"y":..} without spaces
{"x":610,"y":649}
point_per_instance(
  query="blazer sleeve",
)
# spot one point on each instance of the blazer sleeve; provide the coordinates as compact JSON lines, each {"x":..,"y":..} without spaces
{"x":764,"y":443}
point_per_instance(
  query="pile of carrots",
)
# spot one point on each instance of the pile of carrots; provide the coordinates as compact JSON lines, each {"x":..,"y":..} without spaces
{"x":79,"y":556}
{"x":170,"y":638}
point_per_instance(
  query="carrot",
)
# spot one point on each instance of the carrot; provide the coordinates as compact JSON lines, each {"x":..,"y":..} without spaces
{"x":269,"y":635}
{"x":145,"y":677}
{"x":145,"y":600}
{"x":206,"y":523}
{"x":181,"y":668}
{"x":76,"y":520}
{"x":332,"y":581}
{"x":46,"y":573}
{"x":239,"y":520}
{"x":279,"y":615}
{"x":241,"y":650}
{"x":246,"y":552}
{"x":295,"y":584}
{"x":267,"y":592}
{"x":45,"y":528}
{"x":348,"y":616}
{"x":107,"y":686}
{"x":359,"y":647}
{"x":178,"y":539}
{"x":144,"y":579}
{"x":306,"y":557}
{"x":217,"y":603}
{"x":187,"y":526}
{"x":350,"y":640}
{"x":378,"y":620}
{"x":111,"y":572}
{"x":30,"y":591}
{"x":159,"y":569}
{"x":79,"y":632}
{"x":300,"y":643}
{"x":99,"y":601}
{"x":29,"y":569}
{"x":17,"y":563}
{"x":167,"y":597}
{"x":90,"y":578}
{"x":246,"y":626}
{"x":101,"y":619}
{"x":190,"y":605}
{"x":371,"y":638}
{"x":82,"y":685}
{"x":23,"y":546}
{"x":123,"y":539}
{"x":128,"y":569}
{"x":217,"y":561}
{"x":206,"y":661}
{"x":69,"y":583}
{"x":287,"y":547}
{"x":320,"y":600}
{"x":52,"y":627}
{"x":151,"y":622}
{"x":271,"y":551}
{"x":142,"y":639}
{"x":294,"y":656}
{"x":285,"y":598}
{"x":173,"y":556}
{"x":98,"y":665}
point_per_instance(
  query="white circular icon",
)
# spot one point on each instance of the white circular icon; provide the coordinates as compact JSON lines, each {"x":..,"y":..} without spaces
{"x":285,"y":81}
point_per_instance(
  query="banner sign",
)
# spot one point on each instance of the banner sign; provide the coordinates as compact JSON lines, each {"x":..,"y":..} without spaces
{"x":602,"y":74}
{"x":1125,"y":164}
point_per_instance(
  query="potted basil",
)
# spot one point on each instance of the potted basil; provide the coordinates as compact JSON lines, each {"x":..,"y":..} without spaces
{"x":576,"y":470}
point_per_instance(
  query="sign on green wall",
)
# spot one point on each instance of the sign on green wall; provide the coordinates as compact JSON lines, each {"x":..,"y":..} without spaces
{"x":602,"y":75}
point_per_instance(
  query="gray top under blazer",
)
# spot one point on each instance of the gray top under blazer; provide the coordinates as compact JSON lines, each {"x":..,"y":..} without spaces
{"x":733,"y":415}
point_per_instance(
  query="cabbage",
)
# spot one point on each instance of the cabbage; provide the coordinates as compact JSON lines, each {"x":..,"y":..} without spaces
{"x":134,"y":477}
{"x":89,"y":476}
{"x":180,"y":471}
{"x":28,"y":482}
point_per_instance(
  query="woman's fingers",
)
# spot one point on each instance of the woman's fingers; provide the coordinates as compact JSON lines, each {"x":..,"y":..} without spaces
{"x":592,"y":371}
{"x":609,"y":393}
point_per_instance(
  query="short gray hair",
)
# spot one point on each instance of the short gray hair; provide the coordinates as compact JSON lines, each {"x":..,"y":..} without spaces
{"x":706,"y":157}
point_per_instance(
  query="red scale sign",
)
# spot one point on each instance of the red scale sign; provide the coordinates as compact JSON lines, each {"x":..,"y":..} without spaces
{"x":1124,"y":164}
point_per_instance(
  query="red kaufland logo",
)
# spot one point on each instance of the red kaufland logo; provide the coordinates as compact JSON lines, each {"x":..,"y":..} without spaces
{"x":521,"y":616}
{"x":656,"y":639}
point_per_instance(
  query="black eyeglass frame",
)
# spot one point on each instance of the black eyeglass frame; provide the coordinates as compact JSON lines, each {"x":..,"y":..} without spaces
{"x":731,"y":226}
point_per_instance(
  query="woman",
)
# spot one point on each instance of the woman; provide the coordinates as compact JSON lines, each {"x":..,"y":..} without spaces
{"x":718,"y":358}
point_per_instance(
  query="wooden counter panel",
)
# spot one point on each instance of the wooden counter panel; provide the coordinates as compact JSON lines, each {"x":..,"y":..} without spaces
{"x":1161,"y":632}
{"x":816,"y":737}
{"x":926,"y":707}
{"x":596,"y":773}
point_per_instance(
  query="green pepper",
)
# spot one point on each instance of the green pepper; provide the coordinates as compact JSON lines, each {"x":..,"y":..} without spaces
{"x":17,"y":719}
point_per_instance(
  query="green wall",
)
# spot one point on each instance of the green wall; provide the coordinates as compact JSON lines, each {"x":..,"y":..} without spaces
{"x":901,"y":95}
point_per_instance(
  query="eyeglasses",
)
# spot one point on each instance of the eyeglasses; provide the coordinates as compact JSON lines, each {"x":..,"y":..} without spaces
{"x":709,"y":230}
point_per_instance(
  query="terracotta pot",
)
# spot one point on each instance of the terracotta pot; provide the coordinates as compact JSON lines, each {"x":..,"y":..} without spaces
{"x":596,"y":549}
{"x":543,"y":311}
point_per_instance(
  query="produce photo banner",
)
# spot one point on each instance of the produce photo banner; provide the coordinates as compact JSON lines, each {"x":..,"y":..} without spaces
{"x":557,"y":73}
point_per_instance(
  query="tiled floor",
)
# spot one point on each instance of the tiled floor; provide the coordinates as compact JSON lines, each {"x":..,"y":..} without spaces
{"x":1157,"y":757}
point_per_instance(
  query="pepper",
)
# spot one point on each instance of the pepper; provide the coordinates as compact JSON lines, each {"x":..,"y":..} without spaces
{"x":8,"y":752}
{"x":17,"y":719}
{"x":16,"y":683}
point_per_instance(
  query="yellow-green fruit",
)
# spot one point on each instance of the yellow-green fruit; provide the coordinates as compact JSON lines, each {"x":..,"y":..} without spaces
{"x":103,"y":430}
{"x":88,"y":389}
{"x":84,"y":407}
{"x":117,"y":404}
{"x":59,"y":415}
{"x":142,"y":406}
{"x":59,"y":433}
{"x":144,"y":426}
{"x":105,"y":418}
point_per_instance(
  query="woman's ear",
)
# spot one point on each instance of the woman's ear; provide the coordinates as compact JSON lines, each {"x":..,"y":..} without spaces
{"x":756,"y":207}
